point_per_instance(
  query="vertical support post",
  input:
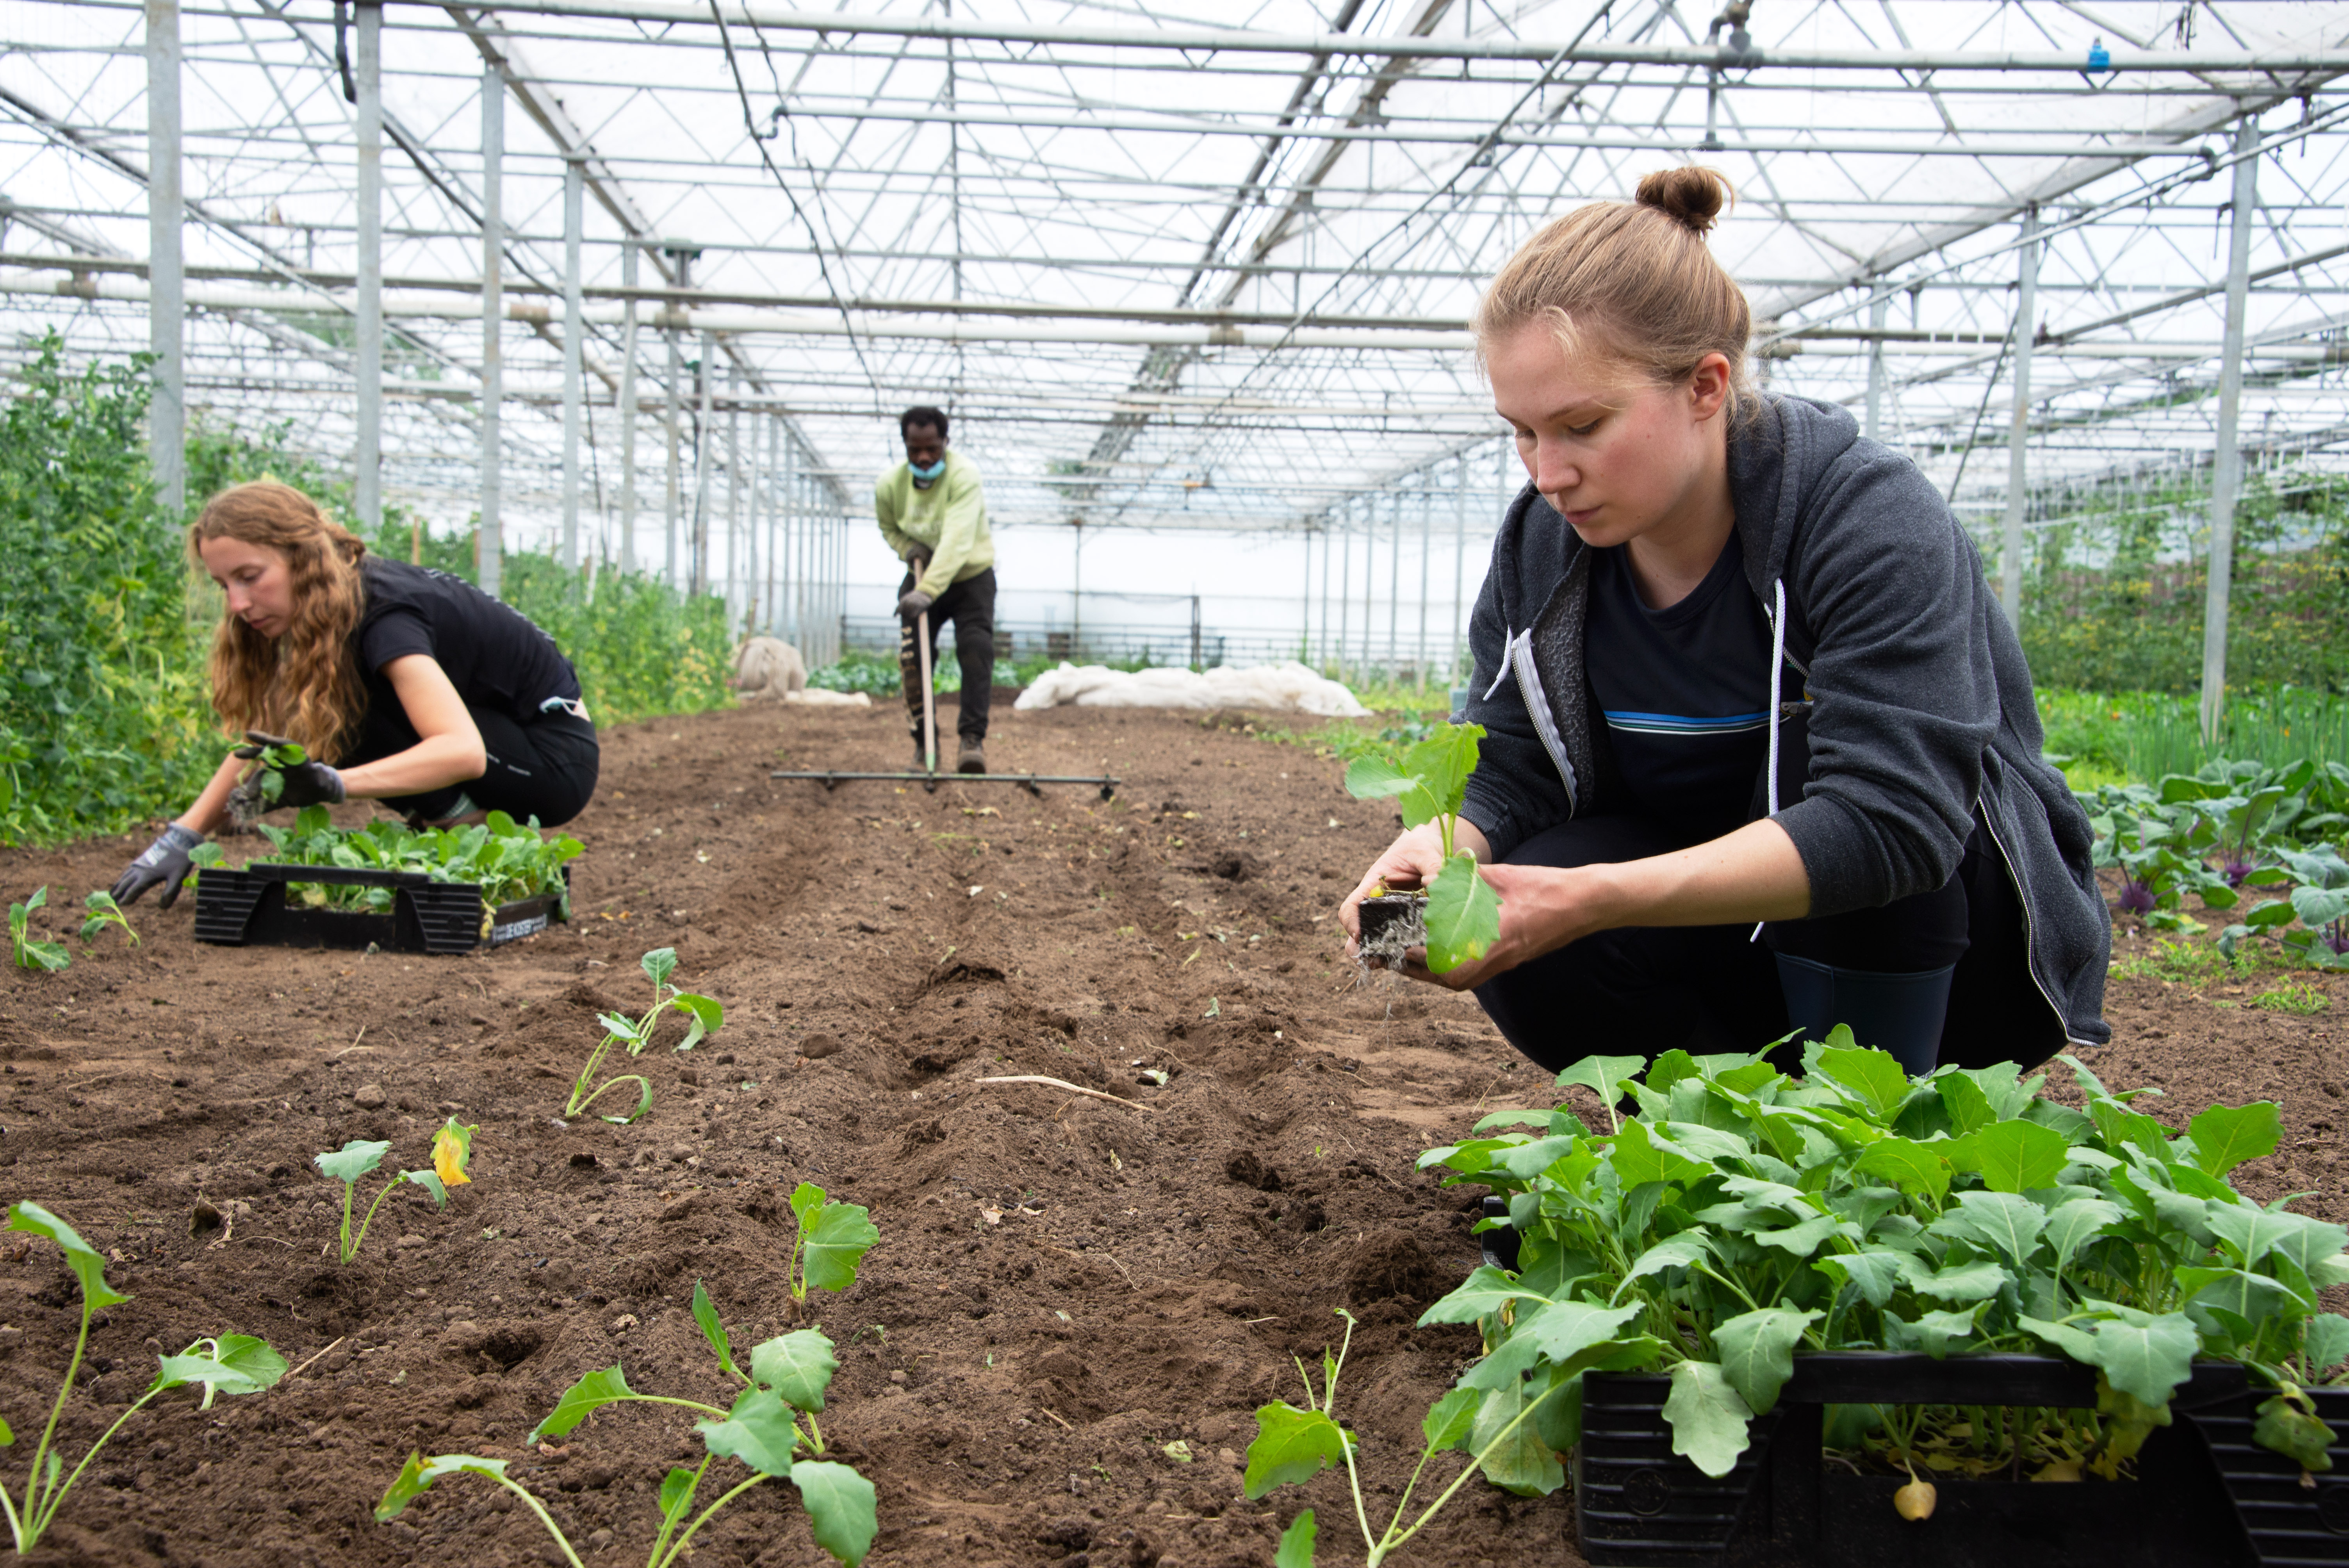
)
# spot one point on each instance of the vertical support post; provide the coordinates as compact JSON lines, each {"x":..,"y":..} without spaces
{"x":1345,"y":583}
{"x":631,"y":259}
{"x":1876,"y":313}
{"x":1426,"y":560}
{"x":1459,"y":568}
{"x":707,"y":382}
{"x":737,"y":586}
{"x":775,"y":537}
{"x":167,"y":411}
{"x":1194,"y":631}
{"x":1321,"y":645}
{"x":2227,"y":462}
{"x":1077,"y":596}
{"x":675,"y":312}
{"x":489,"y":566}
{"x":574,"y":329}
{"x":1305,"y":608}
{"x":1394,"y":591}
{"x":2018,"y":440}
{"x":366,"y":450}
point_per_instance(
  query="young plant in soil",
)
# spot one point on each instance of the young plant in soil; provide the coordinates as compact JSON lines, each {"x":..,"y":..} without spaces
{"x":770,"y":1427}
{"x":1457,"y":918}
{"x":104,"y":912}
{"x":27,"y":952}
{"x":1508,"y":1438}
{"x":832,"y":1239}
{"x":229,"y":1364}
{"x":1743,"y":1217}
{"x":453,"y":1151}
{"x":703,"y":1017}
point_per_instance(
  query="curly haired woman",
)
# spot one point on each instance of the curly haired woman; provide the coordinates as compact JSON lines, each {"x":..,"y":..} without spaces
{"x":427,"y":693}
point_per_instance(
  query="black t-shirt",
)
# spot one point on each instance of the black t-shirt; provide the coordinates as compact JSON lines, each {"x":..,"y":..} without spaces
{"x":497,"y":660}
{"x":1685,"y":690}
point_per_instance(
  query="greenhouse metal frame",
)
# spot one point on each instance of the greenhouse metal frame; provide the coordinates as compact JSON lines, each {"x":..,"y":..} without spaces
{"x":644,"y":283}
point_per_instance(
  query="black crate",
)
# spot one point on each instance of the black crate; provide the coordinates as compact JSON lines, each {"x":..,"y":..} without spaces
{"x":236,"y":908}
{"x":2204,"y":1495}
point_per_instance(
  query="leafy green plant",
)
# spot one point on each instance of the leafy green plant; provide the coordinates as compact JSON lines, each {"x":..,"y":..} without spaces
{"x":1742,"y":1216}
{"x":262,"y":783}
{"x":452,"y":1151}
{"x":832,"y":1239}
{"x":2319,"y":904}
{"x":703,"y":1017}
{"x":2161,"y":849}
{"x":1511,"y":1437}
{"x":229,"y":1364}
{"x":771,"y":1428}
{"x":1428,"y":783}
{"x":28,"y":951}
{"x":104,"y":912}
{"x":2303,"y":999}
{"x":508,"y":859}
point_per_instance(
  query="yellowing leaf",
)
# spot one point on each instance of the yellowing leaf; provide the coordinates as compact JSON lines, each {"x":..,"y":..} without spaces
{"x":452,"y":1146}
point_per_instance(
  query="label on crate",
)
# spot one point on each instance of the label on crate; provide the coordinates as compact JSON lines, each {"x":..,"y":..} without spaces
{"x":530,"y":927}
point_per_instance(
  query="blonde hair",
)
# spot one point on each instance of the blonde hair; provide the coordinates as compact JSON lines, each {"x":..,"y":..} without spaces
{"x":1633,"y":281}
{"x":304,"y":684}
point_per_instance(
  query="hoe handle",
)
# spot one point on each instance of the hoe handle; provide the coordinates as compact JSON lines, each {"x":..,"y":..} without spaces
{"x":930,"y":695}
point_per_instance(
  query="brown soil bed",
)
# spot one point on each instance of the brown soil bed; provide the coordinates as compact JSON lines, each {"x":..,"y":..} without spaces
{"x":1009,"y":1387}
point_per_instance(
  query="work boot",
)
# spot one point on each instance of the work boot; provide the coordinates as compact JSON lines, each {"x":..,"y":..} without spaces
{"x":973,"y":758}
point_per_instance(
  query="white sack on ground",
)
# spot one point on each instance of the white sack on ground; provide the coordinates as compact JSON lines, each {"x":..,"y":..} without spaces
{"x":1289,"y":687}
{"x":769,"y":668}
{"x":818,"y":696}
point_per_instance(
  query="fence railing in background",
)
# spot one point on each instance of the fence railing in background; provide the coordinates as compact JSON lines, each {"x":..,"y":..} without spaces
{"x":1166,"y":647}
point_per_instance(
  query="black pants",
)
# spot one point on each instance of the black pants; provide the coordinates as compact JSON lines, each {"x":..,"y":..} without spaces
{"x":970,"y":605}
{"x":545,"y":768}
{"x":1710,"y":988}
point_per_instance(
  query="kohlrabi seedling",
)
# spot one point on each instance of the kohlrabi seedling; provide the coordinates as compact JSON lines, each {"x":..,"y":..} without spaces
{"x":104,"y":912}
{"x":1292,"y":1446}
{"x":703,"y":1017}
{"x":229,"y":1364}
{"x":264,"y":782}
{"x":1428,"y":784}
{"x":771,"y":1428}
{"x":28,"y":953}
{"x":452,"y":1149}
{"x":832,"y":1238}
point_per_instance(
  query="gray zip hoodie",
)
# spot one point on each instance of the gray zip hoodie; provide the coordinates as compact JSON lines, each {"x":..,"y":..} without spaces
{"x":1918,"y":710}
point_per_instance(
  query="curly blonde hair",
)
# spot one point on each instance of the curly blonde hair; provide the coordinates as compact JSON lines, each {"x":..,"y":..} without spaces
{"x":305,"y":684}
{"x":1635,"y":282}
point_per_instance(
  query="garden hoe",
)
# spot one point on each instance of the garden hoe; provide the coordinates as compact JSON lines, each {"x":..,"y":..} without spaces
{"x":930,"y":777}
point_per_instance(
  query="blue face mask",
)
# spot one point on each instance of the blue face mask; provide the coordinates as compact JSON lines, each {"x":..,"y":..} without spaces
{"x":924,"y":478}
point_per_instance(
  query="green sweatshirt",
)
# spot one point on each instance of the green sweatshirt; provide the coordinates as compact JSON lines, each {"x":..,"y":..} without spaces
{"x":948,"y":519}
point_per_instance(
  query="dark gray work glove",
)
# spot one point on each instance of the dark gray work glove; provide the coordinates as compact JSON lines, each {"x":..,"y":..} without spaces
{"x":914,"y":603}
{"x":165,"y":862}
{"x":306,"y":783}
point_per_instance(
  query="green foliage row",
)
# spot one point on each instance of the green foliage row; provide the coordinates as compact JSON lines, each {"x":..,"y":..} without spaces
{"x":106,"y":716}
{"x":2113,"y":598}
{"x":2143,"y":735}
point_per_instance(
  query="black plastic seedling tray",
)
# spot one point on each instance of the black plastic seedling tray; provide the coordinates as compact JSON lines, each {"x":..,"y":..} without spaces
{"x":241,"y":908}
{"x":2205,"y":1495}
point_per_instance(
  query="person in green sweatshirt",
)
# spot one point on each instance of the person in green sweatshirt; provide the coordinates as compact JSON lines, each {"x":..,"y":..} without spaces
{"x":933,"y":512}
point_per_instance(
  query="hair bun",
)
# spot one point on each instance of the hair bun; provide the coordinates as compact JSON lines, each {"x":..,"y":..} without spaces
{"x":1691,"y":197}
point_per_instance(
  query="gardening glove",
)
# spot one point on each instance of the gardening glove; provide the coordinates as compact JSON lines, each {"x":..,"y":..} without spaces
{"x":914,"y":603}
{"x":166,"y":862}
{"x":306,"y":783}
{"x":917,"y":561}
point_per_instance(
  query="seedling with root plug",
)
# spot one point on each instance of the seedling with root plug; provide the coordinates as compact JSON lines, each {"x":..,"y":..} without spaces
{"x":1457,"y":916}
{"x":27,"y":952}
{"x":452,"y":1149}
{"x":229,"y":1364}
{"x":771,"y":1428}
{"x":703,"y":1017}
{"x":263,"y":782}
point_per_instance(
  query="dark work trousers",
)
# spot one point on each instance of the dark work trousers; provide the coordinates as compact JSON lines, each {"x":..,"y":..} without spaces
{"x":970,"y":605}
{"x":545,"y":768}
{"x":1712,"y":988}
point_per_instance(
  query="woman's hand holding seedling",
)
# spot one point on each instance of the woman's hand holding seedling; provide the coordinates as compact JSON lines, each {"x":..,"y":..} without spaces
{"x":1428,"y":784}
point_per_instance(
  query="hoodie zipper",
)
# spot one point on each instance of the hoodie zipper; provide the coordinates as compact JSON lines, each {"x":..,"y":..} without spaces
{"x":1529,"y":691}
{"x":2006,"y":863}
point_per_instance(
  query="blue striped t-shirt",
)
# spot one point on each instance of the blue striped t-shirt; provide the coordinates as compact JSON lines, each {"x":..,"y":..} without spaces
{"x":1685,"y":689}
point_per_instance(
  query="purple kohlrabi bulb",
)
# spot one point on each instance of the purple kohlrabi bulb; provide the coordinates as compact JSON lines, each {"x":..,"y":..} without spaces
{"x":2135,"y":897}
